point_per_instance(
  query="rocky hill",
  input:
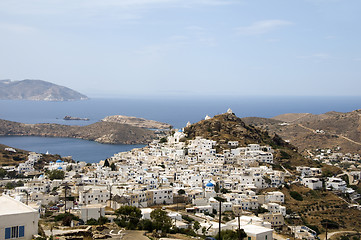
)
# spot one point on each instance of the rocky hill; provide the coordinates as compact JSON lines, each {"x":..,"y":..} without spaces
{"x":37,"y":90}
{"x":308,"y":131}
{"x":228,"y":127}
{"x":103,"y":132}
{"x":137,"y":122}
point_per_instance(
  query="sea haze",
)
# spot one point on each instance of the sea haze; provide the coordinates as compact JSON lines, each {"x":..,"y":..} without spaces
{"x":174,"y":111}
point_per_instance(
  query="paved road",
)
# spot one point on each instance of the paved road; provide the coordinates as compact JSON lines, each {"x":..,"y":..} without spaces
{"x":278,"y":237}
{"x":331,"y":234}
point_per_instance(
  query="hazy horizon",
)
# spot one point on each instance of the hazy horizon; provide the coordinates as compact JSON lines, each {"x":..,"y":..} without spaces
{"x":185,"y":48}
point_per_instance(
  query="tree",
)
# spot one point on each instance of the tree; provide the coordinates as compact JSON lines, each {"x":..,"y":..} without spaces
{"x":160,"y":220}
{"x":224,"y":191}
{"x":297,"y":196}
{"x":12,"y":174}
{"x":69,"y":168}
{"x":106,"y":163}
{"x":181,"y":192}
{"x":217,"y":187}
{"x":229,"y":235}
{"x":56,"y":174}
{"x":145,"y":224}
{"x":113,"y":167}
{"x":204,"y":230}
{"x":92,"y":221}
{"x":129,"y":216}
{"x":66,"y":218}
{"x":102,"y":220}
{"x":326,"y":223}
{"x":267,"y":180}
{"x":2,"y":173}
{"x":196,"y":226}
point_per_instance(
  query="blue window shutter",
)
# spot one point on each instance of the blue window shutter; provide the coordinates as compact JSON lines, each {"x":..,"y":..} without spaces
{"x":7,"y":233}
{"x":21,"y":231}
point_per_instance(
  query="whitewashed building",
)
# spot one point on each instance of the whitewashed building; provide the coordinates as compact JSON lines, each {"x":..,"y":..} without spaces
{"x":17,"y":220}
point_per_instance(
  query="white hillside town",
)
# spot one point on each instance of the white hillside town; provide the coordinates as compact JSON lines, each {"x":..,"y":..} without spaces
{"x":167,"y":173}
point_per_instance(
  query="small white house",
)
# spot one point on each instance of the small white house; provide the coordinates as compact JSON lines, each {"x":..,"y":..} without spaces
{"x":92,"y":211}
{"x":313,"y":183}
{"x":336,"y":184}
{"x":255,"y":232}
{"x":17,"y":220}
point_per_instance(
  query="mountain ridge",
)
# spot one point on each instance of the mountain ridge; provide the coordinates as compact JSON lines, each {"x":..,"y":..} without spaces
{"x":310,"y":131}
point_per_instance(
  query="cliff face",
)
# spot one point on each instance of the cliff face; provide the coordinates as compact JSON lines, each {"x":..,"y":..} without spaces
{"x":103,"y":132}
{"x":37,"y":90}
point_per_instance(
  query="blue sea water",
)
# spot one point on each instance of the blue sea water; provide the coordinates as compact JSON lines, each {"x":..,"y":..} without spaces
{"x":174,"y":111}
{"x":80,"y":150}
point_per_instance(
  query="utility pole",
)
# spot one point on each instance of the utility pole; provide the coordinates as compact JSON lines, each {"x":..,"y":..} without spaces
{"x":27,"y":197}
{"x":239,"y":228}
{"x":326,"y":231}
{"x":220,"y":219}
{"x":66,"y":187}
{"x":220,"y":200}
{"x":65,"y":198}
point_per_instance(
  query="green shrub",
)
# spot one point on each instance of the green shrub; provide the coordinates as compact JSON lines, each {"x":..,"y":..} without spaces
{"x":295,"y":195}
{"x":330,"y":224}
{"x":285,"y":155}
{"x":92,"y":221}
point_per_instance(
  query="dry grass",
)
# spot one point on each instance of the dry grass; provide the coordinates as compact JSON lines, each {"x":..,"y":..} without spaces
{"x":319,"y":205}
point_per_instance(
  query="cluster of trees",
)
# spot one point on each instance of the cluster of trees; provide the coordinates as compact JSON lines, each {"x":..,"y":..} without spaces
{"x":65,"y":218}
{"x":296,"y":195}
{"x":14,"y":184}
{"x":130,"y":218}
{"x":112,"y":166}
{"x":55,"y":174}
{"x":99,"y":221}
{"x":10,"y":174}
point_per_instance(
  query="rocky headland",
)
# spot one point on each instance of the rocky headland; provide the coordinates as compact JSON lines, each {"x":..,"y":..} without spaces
{"x":102,"y":132}
{"x":137,"y":122}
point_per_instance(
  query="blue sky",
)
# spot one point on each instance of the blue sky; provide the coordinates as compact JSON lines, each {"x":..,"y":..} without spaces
{"x":185,"y":48}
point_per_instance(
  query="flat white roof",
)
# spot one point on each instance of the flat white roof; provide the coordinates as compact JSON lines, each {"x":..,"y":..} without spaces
{"x":10,"y":206}
{"x":254,"y":229}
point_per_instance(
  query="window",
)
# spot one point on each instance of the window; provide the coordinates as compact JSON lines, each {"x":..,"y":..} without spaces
{"x":14,"y":232}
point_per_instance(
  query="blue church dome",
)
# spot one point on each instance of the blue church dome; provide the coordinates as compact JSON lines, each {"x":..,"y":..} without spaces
{"x":58,"y":161}
{"x":209,"y":184}
{"x":60,"y":168}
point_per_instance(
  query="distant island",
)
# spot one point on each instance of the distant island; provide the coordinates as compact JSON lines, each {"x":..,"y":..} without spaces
{"x":75,"y":118}
{"x":37,"y":90}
